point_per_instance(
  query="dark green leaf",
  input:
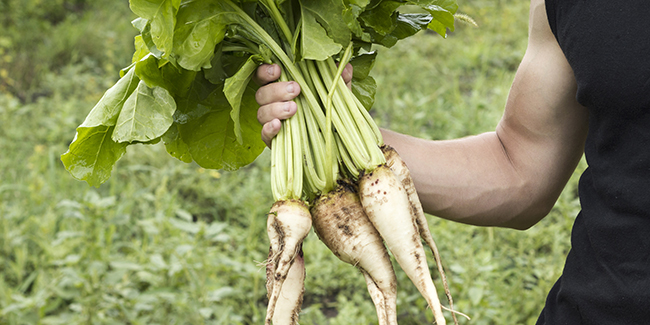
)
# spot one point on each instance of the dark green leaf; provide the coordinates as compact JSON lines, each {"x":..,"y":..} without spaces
{"x":365,"y":90}
{"x":175,"y":145}
{"x":363,"y":64}
{"x":382,"y":18}
{"x":174,"y":79}
{"x":211,"y":138}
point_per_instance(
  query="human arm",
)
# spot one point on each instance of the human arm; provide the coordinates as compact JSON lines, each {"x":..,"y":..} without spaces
{"x":510,"y":177}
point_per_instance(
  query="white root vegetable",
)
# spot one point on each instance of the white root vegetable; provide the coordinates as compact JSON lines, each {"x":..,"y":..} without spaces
{"x":288,"y":224}
{"x":398,"y":166}
{"x":289,"y":303}
{"x":340,"y":223}
{"x":387,"y":205}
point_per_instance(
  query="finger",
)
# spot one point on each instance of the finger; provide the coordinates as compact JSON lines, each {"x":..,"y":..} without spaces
{"x":347,"y":73}
{"x":266,"y":73}
{"x":270,"y":130}
{"x":277,"y":92}
{"x":273,"y":111}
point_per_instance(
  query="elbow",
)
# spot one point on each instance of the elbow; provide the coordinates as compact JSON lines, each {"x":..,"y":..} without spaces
{"x":531,"y":215}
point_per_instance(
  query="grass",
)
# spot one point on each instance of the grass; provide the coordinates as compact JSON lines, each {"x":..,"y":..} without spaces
{"x":163,"y":242}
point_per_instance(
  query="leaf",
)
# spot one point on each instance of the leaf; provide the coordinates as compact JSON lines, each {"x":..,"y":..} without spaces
{"x":211,"y":138}
{"x":406,"y":25}
{"x":442,"y":12}
{"x":161,"y":15}
{"x":365,"y":90}
{"x":362,"y":65}
{"x":105,"y":112}
{"x":146,"y":115}
{"x":382,"y":18}
{"x":201,"y":26}
{"x":177,"y":81}
{"x":324,"y":33}
{"x":364,"y":87}
{"x":141,"y":49}
{"x":92,"y":154}
{"x":234,"y":88}
{"x":175,"y":145}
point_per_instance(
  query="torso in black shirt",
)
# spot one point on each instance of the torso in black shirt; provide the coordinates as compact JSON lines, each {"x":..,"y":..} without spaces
{"x":606,"y":279}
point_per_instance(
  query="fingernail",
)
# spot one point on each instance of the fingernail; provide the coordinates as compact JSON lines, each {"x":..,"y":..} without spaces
{"x":287,"y":106}
{"x":269,"y":70}
{"x":290,"y":88}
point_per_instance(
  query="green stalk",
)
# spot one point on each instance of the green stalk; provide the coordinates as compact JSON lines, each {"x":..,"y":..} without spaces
{"x":349,"y":137}
{"x":254,"y":28}
{"x":313,"y":150}
{"x":353,"y":101}
{"x":329,"y":137}
{"x":368,"y":136}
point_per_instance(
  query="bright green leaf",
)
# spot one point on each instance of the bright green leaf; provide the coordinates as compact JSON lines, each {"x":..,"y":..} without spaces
{"x":324,"y":33}
{"x":92,"y":154}
{"x":146,"y":115}
{"x":108,"y":108}
{"x":234,"y":88}
{"x":161,"y":15}
{"x":201,"y":26}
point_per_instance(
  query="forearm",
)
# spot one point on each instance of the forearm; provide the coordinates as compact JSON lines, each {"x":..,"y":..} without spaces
{"x":472,"y":180}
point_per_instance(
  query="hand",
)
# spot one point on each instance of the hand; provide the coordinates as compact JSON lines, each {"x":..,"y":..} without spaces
{"x":276,"y":98}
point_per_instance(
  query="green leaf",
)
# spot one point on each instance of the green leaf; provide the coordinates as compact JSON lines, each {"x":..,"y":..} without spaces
{"x":382,"y":18}
{"x":146,"y":115}
{"x":365,"y":90}
{"x":364,"y":87}
{"x":324,"y":33}
{"x":211,"y":138}
{"x":224,"y":65}
{"x":234,"y":88}
{"x":109,"y":106}
{"x":141,"y":49}
{"x":161,"y":15}
{"x":92,"y":154}
{"x":174,"y":79}
{"x":175,"y":145}
{"x":442,"y":12}
{"x":200,"y":27}
{"x":362,"y":64}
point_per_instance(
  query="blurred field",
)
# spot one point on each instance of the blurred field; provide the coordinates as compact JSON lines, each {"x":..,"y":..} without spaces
{"x":164,"y":242}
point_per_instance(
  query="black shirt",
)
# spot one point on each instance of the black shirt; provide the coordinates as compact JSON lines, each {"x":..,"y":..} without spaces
{"x":606,"y":279}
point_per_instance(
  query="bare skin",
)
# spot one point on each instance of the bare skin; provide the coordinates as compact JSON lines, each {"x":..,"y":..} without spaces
{"x":510,"y":177}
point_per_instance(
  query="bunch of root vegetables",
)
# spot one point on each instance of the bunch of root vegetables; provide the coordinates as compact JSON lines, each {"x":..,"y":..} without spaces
{"x":355,"y":220}
{"x":190,"y":87}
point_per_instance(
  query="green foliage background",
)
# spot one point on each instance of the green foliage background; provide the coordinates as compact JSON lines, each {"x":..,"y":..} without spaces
{"x":164,"y":242}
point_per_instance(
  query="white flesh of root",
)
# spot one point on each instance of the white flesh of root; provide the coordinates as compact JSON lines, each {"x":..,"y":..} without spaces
{"x":341,"y":224}
{"x":398,"y":166}
{"x":288,"y":224}
{"x":287,"y":308}
{"x":387,"y":205}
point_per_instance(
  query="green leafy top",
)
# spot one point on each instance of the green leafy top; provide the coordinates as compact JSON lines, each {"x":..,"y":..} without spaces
{"x":190,"y":81}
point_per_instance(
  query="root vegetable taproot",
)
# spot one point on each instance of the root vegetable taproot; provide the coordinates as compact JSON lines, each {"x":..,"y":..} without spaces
{"x":288,"y":223}
{"x":399,"y":167}
{"x":289,"y":303}
{"x":340,"y":223}
{"x":387,"y":205}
